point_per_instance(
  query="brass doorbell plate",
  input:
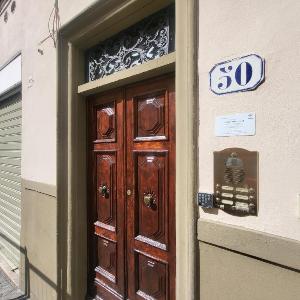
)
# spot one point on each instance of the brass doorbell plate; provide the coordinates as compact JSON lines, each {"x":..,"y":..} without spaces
{"x":236,"y":181}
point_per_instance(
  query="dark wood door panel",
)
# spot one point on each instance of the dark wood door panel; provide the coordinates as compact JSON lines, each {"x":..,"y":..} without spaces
{"x":106,"y":292}
{"x":131,"y":186}
{"x":151,"y":116}
{"x":150,"y":112}
{"x":107,"y":189}
{"x":151,"y":190}
{"x":106,"y":216}
{"x":106,"y":259}
{"x":152,"y":278}
{"x":106,"y":122}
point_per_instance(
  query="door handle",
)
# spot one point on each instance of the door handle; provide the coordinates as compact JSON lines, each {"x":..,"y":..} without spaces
{"x":103,"y":190}
{"x":148,"y":199}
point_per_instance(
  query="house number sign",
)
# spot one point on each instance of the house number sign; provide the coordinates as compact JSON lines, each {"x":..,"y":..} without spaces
{"x":237,"y":75}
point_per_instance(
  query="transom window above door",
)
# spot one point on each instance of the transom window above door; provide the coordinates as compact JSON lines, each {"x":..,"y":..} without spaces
{"x":149,"y":39}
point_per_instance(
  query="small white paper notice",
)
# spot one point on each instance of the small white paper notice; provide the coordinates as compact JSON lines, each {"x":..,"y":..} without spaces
{"x":235,"y":125}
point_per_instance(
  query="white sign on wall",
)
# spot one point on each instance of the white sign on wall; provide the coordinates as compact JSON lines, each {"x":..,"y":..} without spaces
{"x":237,"y":75}
{"x":235,"y":125}
{"x":10,"y":75}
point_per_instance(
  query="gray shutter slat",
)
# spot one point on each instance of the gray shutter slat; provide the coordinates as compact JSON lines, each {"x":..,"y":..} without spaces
{"x":10,"y":168}
{"x":11,"y":194}
{"x":10,"y":116}
{"x":7,"y":203}
{"x":10,"y":219}
{"x":10,"y":179}
{"x":12,"y":154}
{"x":11,"y":107}
{"x":8,"y":184}
{"x":10,"y":146}
{"x":11,"y":161}
{"x":12,"y":232}
{"x":10,"y":138}
{"x":10,"y":130}
{"x":10,"y":123}
{"x":10,"y":176}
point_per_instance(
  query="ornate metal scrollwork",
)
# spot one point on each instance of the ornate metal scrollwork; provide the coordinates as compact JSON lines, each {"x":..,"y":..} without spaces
{"x":147,"y":40}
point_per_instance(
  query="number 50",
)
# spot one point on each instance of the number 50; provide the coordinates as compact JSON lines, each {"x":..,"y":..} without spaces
{"x":242,"y":75}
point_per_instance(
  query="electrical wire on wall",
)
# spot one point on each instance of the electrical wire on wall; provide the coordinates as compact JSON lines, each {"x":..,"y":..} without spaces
{"x":53,"y":27}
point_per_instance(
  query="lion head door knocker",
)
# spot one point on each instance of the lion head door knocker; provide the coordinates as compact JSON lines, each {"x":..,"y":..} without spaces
{"x":103,"y":190}
{"x":149,"y":199}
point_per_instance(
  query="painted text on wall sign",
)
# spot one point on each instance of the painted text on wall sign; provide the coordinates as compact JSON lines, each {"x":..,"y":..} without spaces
{"x":237,"y":75}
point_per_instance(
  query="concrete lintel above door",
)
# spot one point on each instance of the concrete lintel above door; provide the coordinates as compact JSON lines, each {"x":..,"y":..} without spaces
{"x":162,"y":65}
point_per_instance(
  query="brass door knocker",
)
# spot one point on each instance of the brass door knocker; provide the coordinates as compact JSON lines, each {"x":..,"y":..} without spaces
{"x":149,"y":199}
{"x":104,"y":190}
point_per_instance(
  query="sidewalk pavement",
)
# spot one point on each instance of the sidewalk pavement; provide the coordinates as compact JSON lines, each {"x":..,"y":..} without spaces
{"x":8,"y":290}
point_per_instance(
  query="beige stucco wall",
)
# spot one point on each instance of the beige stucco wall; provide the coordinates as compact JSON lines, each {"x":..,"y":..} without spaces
{"x":230,"y":29}
{"x":23,"y":32}
{"x":38,"y":268}
{"x":25,"y":28}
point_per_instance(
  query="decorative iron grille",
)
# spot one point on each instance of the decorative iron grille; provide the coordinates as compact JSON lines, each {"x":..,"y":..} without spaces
{"x":149,"y":39}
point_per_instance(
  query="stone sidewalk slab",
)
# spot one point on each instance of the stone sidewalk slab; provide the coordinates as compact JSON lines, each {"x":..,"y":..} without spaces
{"x":8,"y":290}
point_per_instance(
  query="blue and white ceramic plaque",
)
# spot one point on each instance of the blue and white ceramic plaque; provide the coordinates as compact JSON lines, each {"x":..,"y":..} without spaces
{"x":237,"y":75}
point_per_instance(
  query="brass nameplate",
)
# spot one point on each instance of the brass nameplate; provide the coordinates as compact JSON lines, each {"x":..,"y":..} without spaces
{"x":241,"y":197}
{"x":242,"y":190}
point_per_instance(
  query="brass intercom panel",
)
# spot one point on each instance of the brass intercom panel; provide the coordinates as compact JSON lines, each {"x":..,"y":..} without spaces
{"x":236,"y":181}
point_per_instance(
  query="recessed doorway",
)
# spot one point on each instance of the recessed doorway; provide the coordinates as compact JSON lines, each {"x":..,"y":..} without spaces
{"x":131,"y":191}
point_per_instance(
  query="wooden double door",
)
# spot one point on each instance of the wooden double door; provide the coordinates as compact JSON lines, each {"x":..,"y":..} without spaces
{"x":131,"y":211}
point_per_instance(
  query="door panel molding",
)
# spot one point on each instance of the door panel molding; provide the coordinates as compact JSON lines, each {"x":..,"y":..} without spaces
{"x":106,"y":210}
{"x":106,"y":175}
{"x":156,"y":212}
{"x":151,"y":207}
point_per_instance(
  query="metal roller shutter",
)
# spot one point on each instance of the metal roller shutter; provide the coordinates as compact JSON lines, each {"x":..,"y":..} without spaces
{"x":10,"y":178}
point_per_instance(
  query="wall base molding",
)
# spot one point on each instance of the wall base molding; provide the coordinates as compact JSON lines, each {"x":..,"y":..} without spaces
{"x":272,"y":248}
{"x":39,"y":187}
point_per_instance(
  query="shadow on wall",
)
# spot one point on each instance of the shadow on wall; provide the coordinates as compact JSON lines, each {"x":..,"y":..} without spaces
{"x":28,"y":267}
